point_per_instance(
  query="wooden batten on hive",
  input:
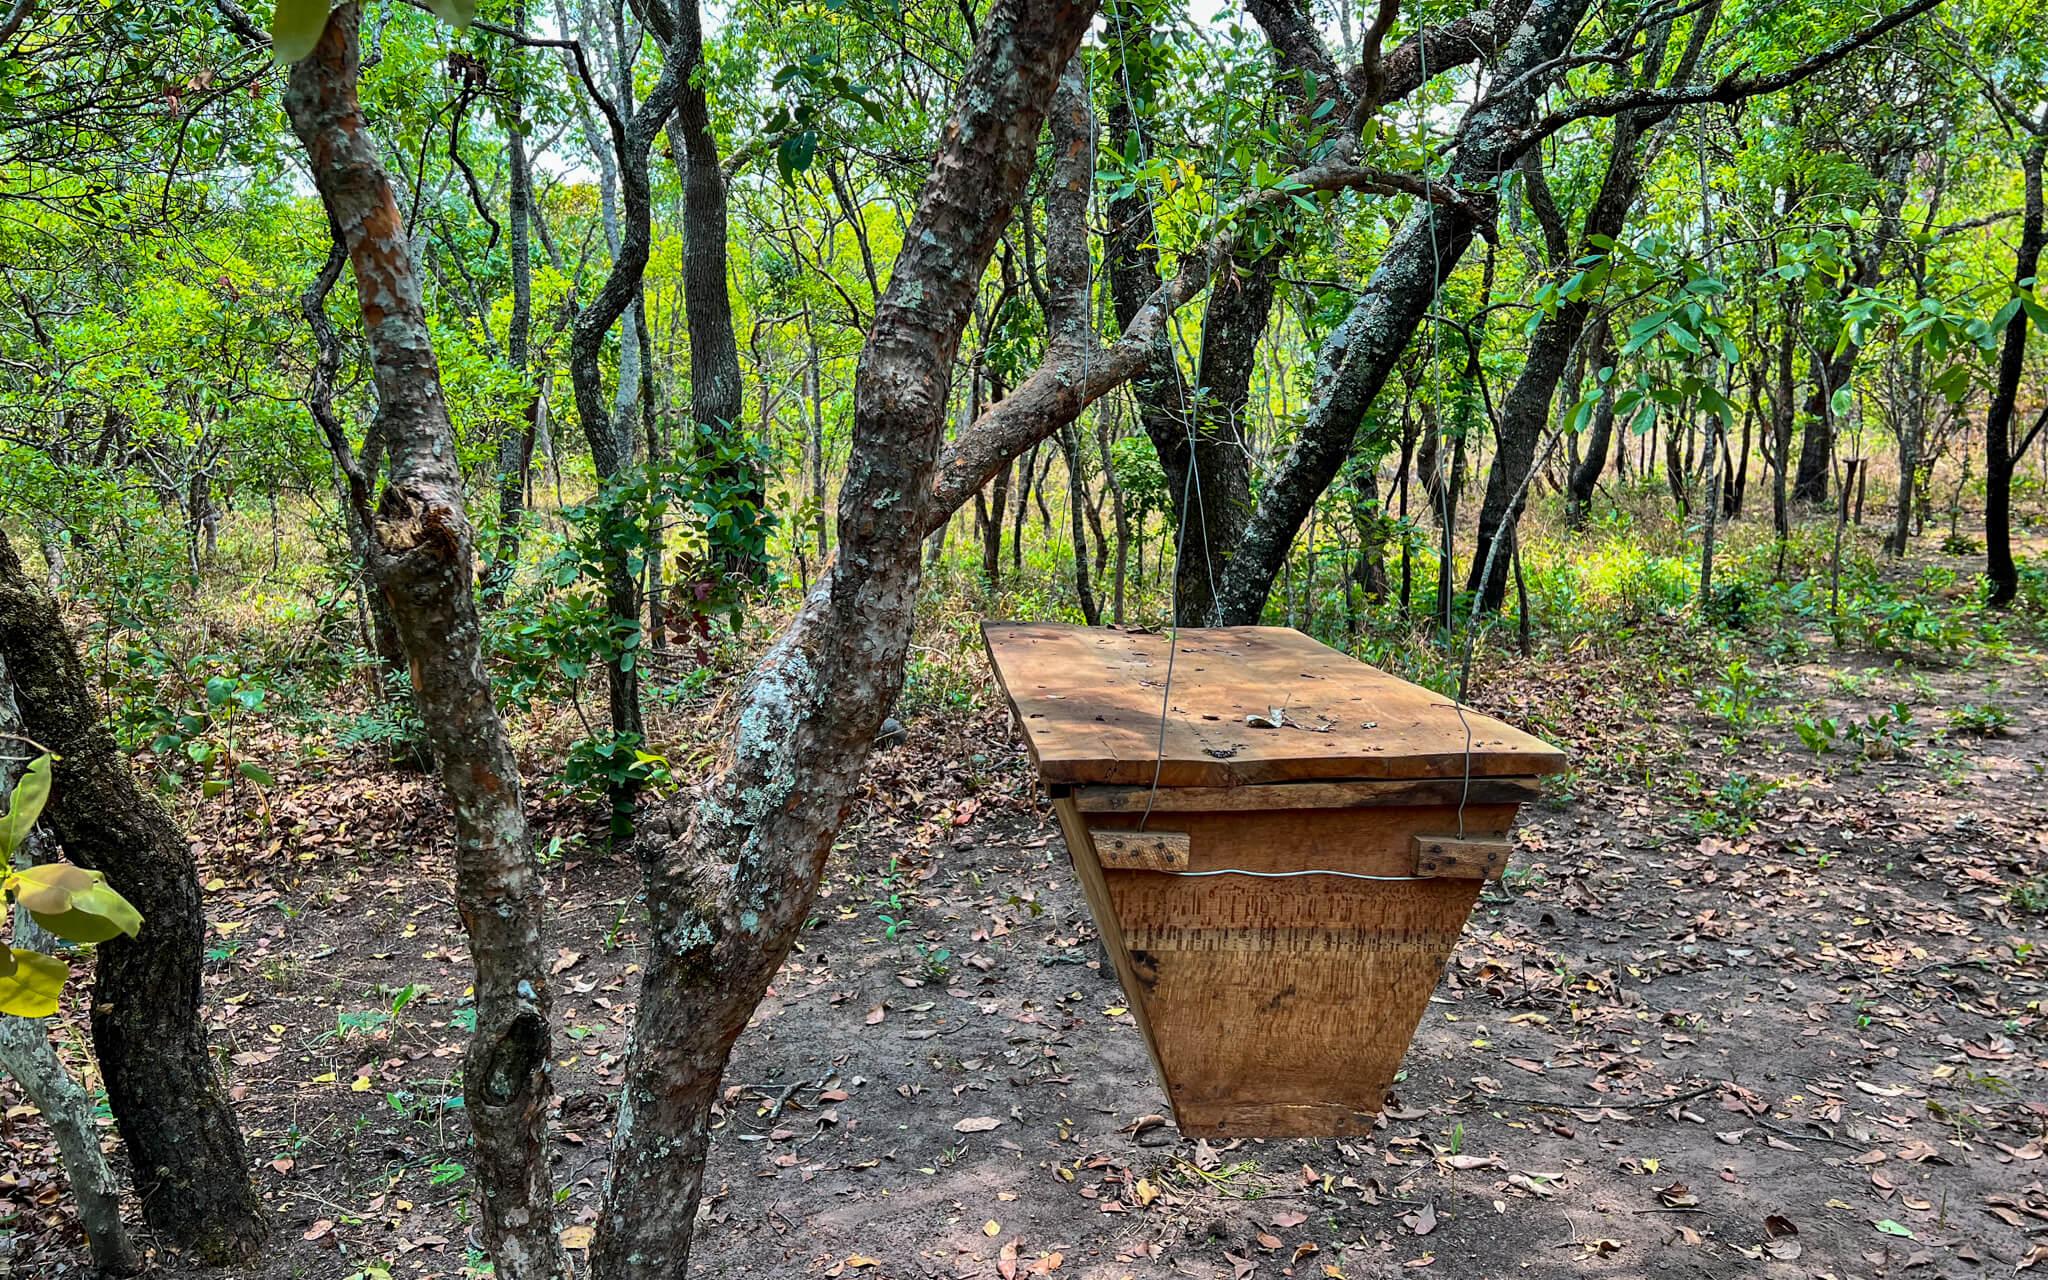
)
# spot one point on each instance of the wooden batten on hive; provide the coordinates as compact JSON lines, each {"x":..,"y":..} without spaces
{"x":1281,"y":871}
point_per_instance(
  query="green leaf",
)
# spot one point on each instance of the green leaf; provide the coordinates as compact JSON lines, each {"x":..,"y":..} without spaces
{"x":255,"y":773}
{"x":794,"y":154}
{"x":295,"y":27}
{"x":51,"y":886}
{"x":30,"y":795}
{"x":98,"y":914}
{"x":33,"y":989}
{"x":1891,"y":1228}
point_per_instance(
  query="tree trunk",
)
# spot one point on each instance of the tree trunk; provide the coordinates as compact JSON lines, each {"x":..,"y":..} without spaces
{"x":422,"y":556}
{"x":715,"y":382}
{"x":2000,"y":452}
{"x":632,"y":136}
{"x":1525,"y":410}
{"x":27,"y":1055}
{"x":189,"y":1165}
{"x":1077,"y":500}
{"x":515,"y":451}
{"x":1355,"y":360}
{"x":1585,"y":477}
{"x":731,"y":886}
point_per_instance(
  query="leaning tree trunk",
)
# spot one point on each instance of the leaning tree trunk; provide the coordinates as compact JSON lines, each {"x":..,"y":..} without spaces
{"x":190,"y":1169}
{"x":422,"y":555}
{"x":1355,"y":361}
{"x":728,"y":892}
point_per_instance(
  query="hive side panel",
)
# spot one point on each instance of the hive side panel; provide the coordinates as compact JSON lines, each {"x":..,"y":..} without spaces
{"x":1088,"y":868}
{"x":1283,"y":1007}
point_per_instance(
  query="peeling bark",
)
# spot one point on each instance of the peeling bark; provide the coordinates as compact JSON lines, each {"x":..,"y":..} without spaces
{"x":422,"y":555}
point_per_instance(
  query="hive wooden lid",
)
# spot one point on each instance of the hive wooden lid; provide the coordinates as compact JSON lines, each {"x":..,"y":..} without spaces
{"x":1089,"y":700}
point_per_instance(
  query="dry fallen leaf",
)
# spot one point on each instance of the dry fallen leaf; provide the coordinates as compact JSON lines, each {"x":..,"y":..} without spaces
{"x":977,"y":1124}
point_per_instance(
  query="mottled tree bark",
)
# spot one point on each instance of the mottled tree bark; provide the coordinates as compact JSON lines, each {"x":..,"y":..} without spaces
{"x":422,"y":555}
{"x":190,"y":1169}
{"x":732,"y":882}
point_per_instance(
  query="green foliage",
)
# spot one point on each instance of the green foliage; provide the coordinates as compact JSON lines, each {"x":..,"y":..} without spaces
{"x":2030,"y":896}
{"x":1819,"y":733}
{"x":74,"y":904}
{"x":1983,"y":720}
{"x":1729,"y":809}
{"x":1885,"y":735}
{"x":1737,"y":697}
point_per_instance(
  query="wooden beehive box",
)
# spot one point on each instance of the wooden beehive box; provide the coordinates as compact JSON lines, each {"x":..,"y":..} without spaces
{"x":1274,"y":1004}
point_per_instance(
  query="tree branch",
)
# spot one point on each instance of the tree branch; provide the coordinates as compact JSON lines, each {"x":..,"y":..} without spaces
{"x":1731,"y":88}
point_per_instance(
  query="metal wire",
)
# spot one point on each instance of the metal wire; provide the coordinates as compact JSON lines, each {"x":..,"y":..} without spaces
{"x":1191,"y":484}
{"x":1289,"y":875}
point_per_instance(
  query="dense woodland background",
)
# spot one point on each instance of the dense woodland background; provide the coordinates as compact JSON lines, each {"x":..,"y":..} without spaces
{"x":548,"y":449}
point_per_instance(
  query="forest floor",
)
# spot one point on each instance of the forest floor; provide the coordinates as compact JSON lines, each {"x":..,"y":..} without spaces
{"x":1737,"y":1009}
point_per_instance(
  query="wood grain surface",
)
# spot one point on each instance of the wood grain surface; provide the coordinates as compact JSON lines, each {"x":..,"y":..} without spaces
{"x":1247,"y":705}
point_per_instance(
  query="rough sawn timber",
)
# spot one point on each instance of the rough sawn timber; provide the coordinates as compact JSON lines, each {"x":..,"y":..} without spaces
{"x":1089,"y":701}
{"x":1278,"y":940}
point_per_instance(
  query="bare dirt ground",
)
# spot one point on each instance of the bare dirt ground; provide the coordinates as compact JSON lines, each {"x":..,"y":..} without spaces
{"x":1738,"y":1009}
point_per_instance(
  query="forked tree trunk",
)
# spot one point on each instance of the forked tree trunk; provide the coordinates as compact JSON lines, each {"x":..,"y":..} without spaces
{"x":729,"y":885}
{"x":715,"y":382}
{"x":515,"y":450}
{"x":421,"y":555}
{"x":190,"y":1169}
{"x":1354,"y":362}
{"x":608,"y":432}
{"x":1525,"y":410}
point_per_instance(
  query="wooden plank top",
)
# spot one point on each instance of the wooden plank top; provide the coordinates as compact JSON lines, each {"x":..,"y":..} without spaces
{"x":1249,"y":705}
